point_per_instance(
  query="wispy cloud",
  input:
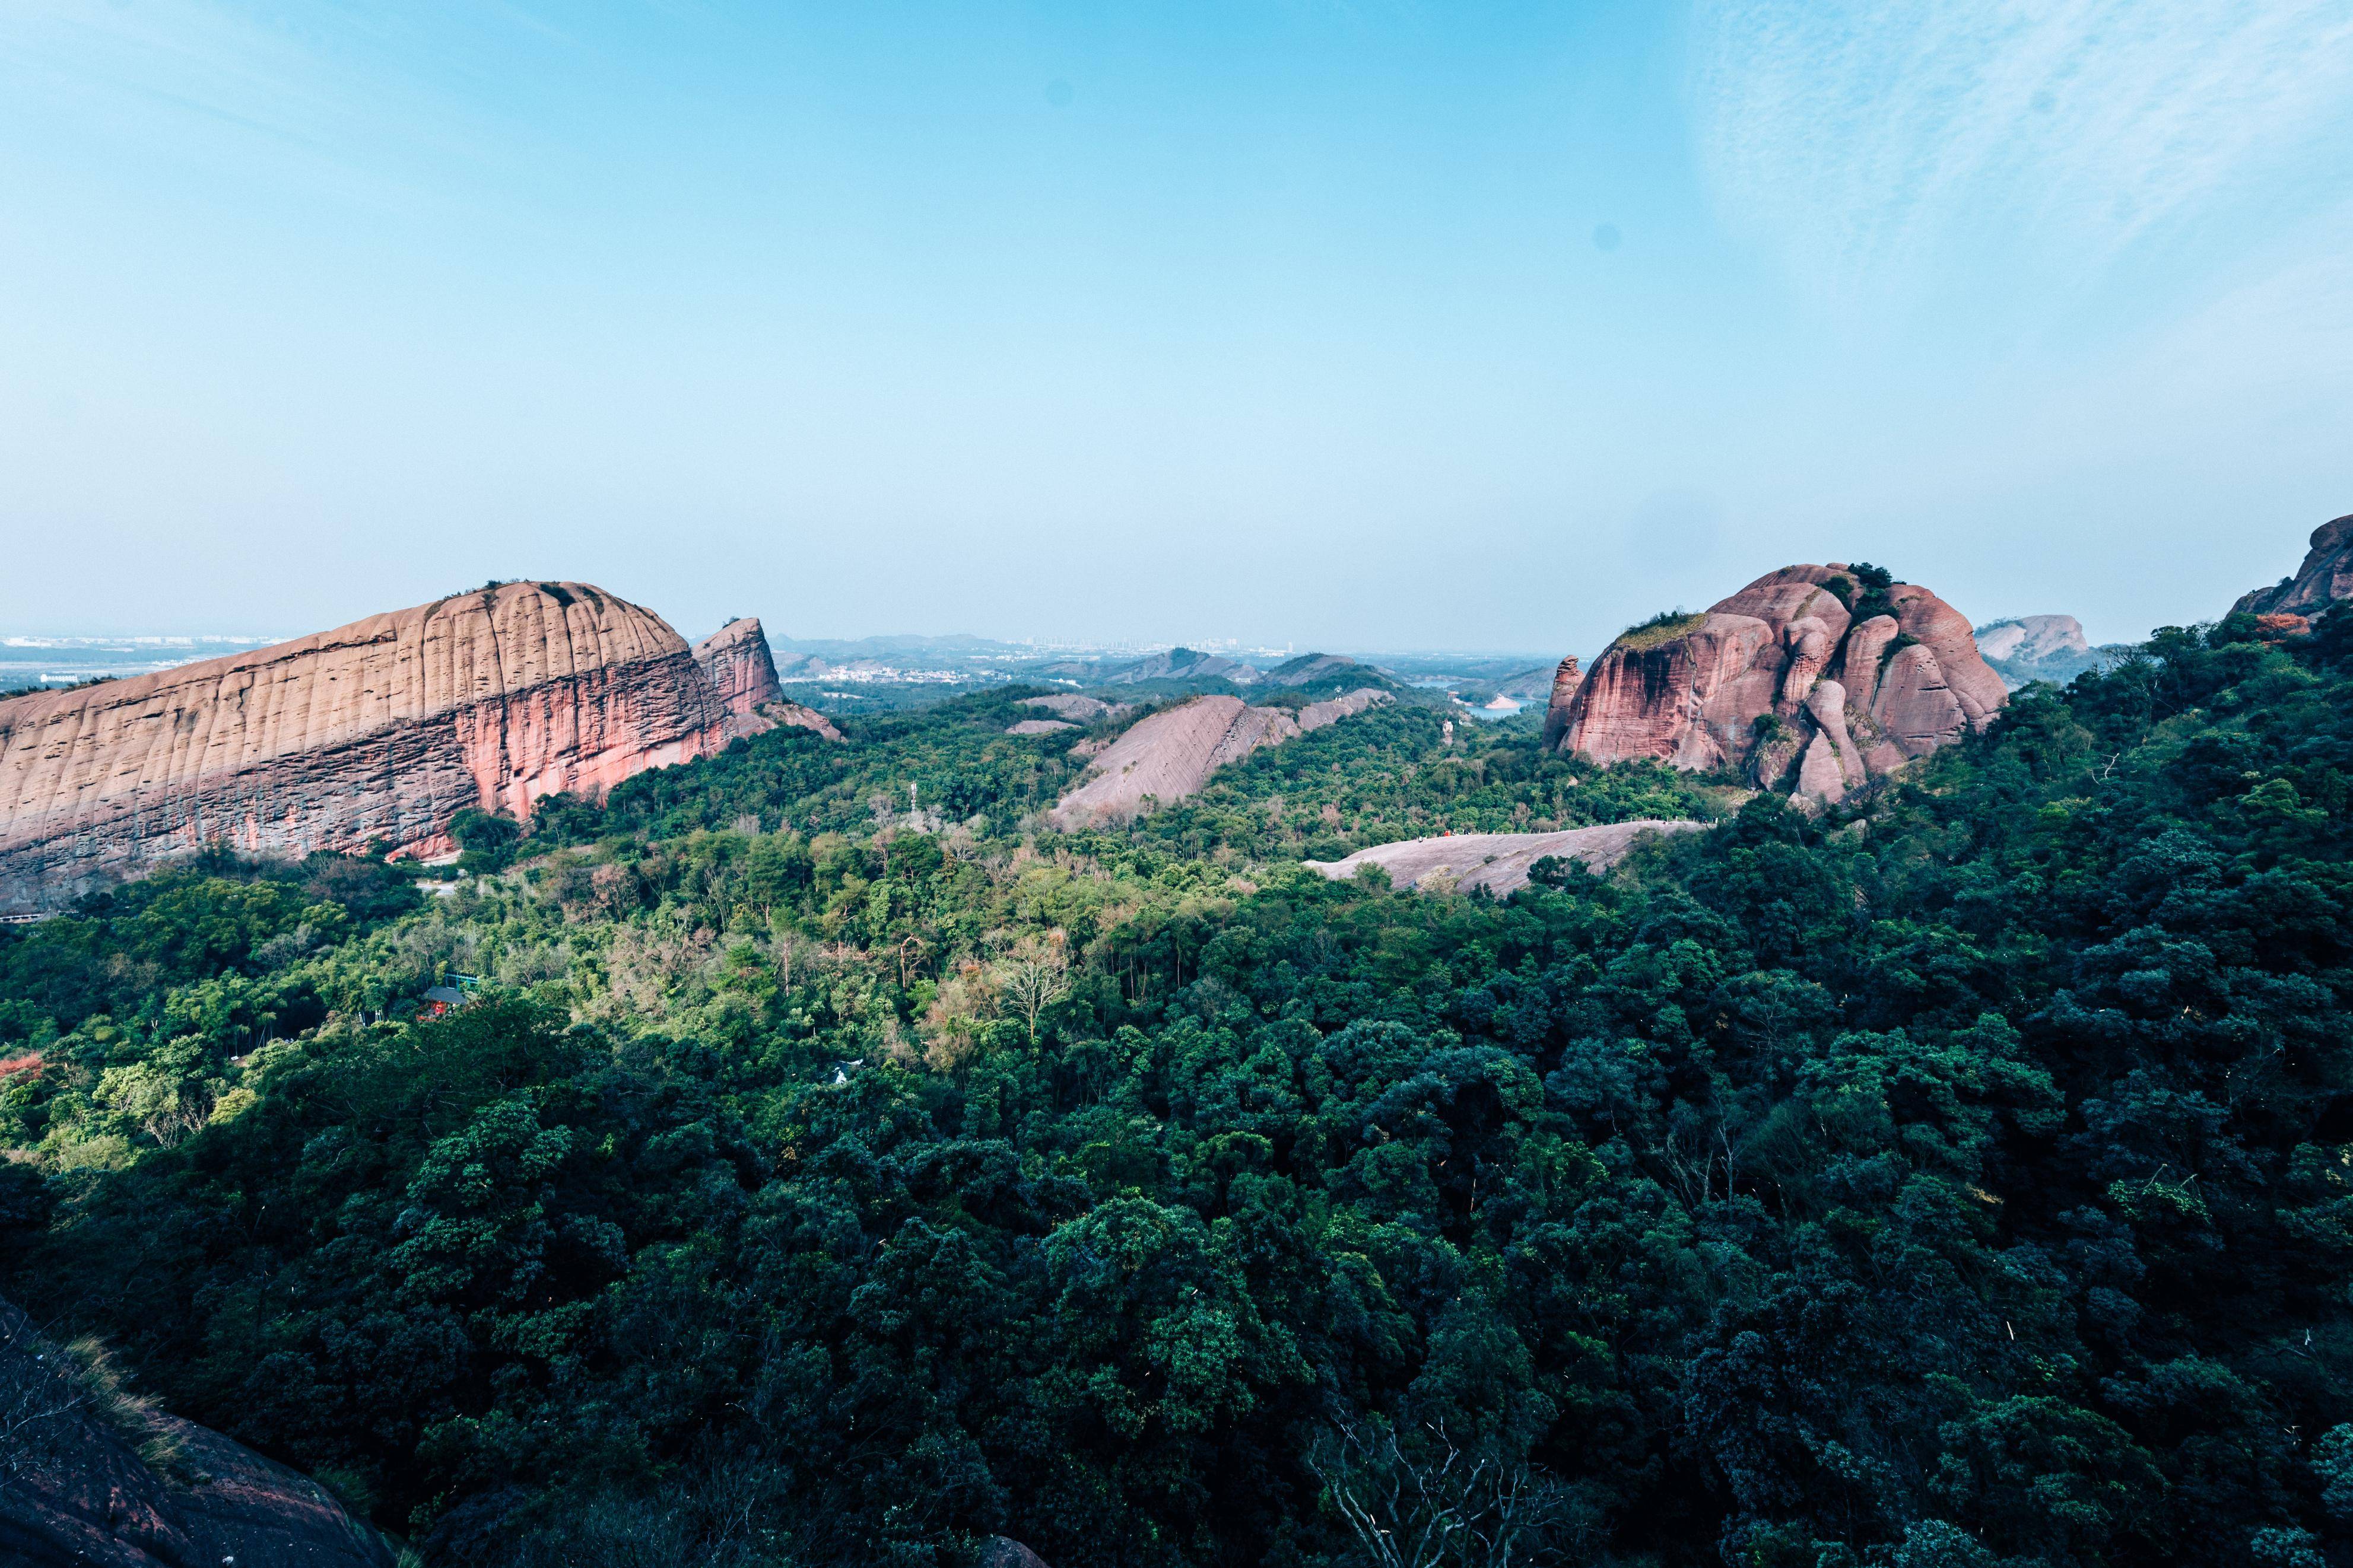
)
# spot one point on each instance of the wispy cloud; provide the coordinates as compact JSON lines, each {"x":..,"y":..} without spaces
{"x":1873,"y":147}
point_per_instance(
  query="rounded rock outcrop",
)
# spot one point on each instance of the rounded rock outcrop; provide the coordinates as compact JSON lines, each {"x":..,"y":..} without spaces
{"x":1811,"y":668}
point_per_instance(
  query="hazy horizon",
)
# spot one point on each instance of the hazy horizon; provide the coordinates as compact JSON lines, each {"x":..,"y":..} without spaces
{"x":1351,"y":328}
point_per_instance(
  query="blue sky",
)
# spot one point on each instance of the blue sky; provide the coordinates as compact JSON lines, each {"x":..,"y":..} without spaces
{"x":1364,"y":325}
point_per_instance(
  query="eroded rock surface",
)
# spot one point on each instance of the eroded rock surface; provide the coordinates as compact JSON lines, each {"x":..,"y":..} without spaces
{"x":2326,"y":576}
{"x":1804,"y":668}
{"x":378,"y":730}
{"x":1497,"y":862}
{"x":1168,"y":755}
{"x":1565,"y":680}
{"x":742,"y":670}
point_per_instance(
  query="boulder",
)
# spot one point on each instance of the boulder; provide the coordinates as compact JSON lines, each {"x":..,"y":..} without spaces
{"x":1805,"y":670}
{"x":1038,"y":726}
{"x":2326,"y":576}
{"x":378,"y":730}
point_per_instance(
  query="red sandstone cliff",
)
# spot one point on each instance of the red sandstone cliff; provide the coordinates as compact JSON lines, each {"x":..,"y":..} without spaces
{"x":741,"y":669}
{"x":380,"y":730}
{"x":1565,"y":682}
{"x":743,"y":672}
{"x":1848,"y":700}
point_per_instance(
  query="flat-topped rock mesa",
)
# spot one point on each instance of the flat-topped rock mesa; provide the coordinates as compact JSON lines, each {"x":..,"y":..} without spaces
{"x":1809,"y":675}
{"x":382,"y":730}
{"x":1170,"y":754}
{"x":1498,"y":862}
{"x":81,"y":1491}
{"x":2325,"y":578}
{"x":742,"y":671}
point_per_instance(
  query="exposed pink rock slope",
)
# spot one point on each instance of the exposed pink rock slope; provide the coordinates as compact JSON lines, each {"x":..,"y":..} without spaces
{"x":743,"y":672}
{"x":1169,"y":754}
{"x":1850,"y":699}
{"x":1498,"y":862}
{"x":2326,"y":576}
{"x":380,"y":730}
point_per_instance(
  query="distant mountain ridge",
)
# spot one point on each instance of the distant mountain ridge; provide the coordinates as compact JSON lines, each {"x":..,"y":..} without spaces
{"x":2023,"y":648}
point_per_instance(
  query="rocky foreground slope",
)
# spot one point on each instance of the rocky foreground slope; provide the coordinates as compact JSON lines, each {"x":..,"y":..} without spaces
{"x":1819,"y":676}
{"x":91,"y":1479}
{"x":377,"y":732}
{"x":1170,"y":754}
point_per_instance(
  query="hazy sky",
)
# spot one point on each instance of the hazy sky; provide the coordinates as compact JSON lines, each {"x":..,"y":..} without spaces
{"x":1369,"y":324}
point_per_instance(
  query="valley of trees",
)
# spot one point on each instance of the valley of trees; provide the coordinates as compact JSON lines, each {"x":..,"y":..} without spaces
{"x":833,"y":1166}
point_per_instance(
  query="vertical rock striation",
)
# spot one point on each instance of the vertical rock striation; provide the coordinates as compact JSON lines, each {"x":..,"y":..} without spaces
{"x":743,"y":671}
{"x":1805,"y":670}
{"x":381,"y":731}
{"x":1565,"y":680}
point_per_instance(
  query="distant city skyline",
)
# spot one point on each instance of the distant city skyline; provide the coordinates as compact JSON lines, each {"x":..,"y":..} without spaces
{"x":1495,"y":327}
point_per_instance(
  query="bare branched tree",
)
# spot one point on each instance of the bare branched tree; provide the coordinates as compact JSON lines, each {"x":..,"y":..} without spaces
{"x":1034,"y":977}
{"x":1441,"y":1505}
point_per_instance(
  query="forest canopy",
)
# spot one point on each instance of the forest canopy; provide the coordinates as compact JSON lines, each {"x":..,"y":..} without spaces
{"x":832,"y":1164}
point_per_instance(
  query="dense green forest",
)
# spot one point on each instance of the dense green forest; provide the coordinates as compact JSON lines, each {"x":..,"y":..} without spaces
{"x":834,"y":1165}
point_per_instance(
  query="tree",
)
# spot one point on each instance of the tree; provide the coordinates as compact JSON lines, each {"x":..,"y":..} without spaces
{"x":1034,"y":977}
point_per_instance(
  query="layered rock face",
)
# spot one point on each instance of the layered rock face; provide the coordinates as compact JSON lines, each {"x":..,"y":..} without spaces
{"x":1565,"y":680}
{"x":382,"y":730}
{"x":77,"y":1492}
{"x":2326,"y":576}
{"x":1171,"y":754}
{"x":742,"y":671}
{"x":1783,"y":676}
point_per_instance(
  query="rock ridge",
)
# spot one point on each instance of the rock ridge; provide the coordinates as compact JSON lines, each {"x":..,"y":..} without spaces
{"x":1170,"y":754}
{"x":2326,"y":576}
{"x":375,"y":731}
